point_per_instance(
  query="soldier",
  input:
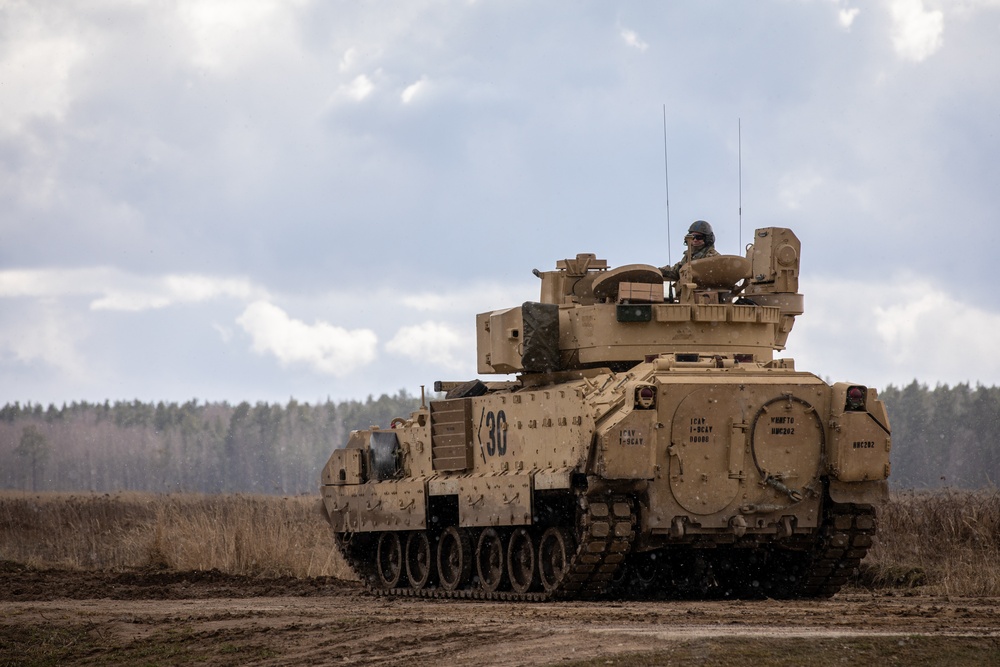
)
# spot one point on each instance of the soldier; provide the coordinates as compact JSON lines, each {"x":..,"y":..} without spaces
{"x":700,"y":241}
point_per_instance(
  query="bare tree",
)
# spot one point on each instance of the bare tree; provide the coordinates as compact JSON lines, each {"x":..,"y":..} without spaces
{"x":34,"y":448}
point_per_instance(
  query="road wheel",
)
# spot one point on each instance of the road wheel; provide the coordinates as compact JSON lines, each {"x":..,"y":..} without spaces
{"x":419,"y":559}
{"x":454,"y":558}
{"x":521,"y":562}
{"x":554,"y":555}
{"x":389,"y":560}
{"x":490,"y":565}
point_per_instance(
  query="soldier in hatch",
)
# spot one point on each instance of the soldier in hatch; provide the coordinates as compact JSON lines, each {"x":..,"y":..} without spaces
{"x":700,"y":241}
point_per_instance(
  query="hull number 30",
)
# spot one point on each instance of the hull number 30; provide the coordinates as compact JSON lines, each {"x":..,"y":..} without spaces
{"x":496,"y":433}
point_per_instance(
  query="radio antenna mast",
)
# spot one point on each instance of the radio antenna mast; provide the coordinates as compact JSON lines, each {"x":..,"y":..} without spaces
{"x":739,"y":140}
{"x":666,"y":183}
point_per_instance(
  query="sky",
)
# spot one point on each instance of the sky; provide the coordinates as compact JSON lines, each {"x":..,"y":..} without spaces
{"x":261,"y":200}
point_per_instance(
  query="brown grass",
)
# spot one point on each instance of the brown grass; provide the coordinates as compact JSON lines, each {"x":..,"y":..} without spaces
{"x":947,"y":542}
{"x":944,"y":542}
{"x":237,"y":534}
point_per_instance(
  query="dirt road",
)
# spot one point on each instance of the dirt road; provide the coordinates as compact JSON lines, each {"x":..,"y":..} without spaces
{"x":180,"y":618}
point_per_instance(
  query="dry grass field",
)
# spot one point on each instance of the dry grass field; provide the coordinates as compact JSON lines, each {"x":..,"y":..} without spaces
{"x":944,"y":542}
{"x":266,"y":536}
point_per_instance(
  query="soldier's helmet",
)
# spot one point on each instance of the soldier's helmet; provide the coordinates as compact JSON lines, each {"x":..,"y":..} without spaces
{"x":702,"y":227}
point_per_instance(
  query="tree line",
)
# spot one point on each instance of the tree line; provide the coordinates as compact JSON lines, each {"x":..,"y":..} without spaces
{"x":187,"y":447}
{"x":943,"y":436}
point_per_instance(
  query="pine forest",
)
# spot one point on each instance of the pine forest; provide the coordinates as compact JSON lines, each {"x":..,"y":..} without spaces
{"x":942,"y":437}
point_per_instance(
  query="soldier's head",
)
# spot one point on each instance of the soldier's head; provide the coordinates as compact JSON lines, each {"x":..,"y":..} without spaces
{"x":700,"y":235}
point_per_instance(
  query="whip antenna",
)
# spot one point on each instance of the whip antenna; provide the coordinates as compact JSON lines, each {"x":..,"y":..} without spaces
{"x":739,"y":159}
{"x":666,"y":182}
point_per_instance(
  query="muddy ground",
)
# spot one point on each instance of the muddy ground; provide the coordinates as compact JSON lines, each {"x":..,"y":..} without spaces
{"x":164,"y":618}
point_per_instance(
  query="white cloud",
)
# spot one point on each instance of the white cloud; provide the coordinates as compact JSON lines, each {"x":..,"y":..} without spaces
{"x":926,"y":322}
{"x":226,"y":33}
{"x":54,"y":282}
{"x":916,"y":32}
{"x":847,"y":16}
{"x":358,"y":89}
{"x":326,"y":348}
{"x":175,"y":289}
{"x":633,"y":39}
{"x":413,"y":90}
{"x":48,"y":334}
{"x":348,"y":59}
{"x":36,"y":63}
{"x":434,"y":343}
{"x":124,"y":291}
{"x":893,"y":331}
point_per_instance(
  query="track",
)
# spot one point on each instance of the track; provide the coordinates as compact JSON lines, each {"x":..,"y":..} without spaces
{"x":846,"y":536}
{"x":606,"y":529}
{"x":601,"y":563}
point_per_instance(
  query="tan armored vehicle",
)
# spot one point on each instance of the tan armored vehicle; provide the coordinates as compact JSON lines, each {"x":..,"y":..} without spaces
{"x":649,"y":446}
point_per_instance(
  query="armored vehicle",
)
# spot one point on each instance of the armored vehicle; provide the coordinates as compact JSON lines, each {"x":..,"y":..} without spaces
{"x":649,"y":445}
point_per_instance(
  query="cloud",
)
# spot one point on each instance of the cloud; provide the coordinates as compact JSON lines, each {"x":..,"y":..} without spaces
{"x":123,"y":291}
{"x":926,"y":319}
{"x":226,"y":33}
{"x":358,"y":89}
{"x":35,"y":69}
{"x":348,"y":59}
{"x":916,"y":32}
{"x":633,"y":40}
{"x":273,"y":143}
{"x":176,"y":289}
{"x":893,"y":330}
{"x":434,"y":343}
{"x":846,"y":16}
{"x":413,"y":90}
{"x":326,"y":348}
{"x":48,"y":334}
{"x":54,"y":282}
